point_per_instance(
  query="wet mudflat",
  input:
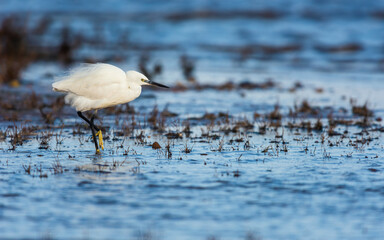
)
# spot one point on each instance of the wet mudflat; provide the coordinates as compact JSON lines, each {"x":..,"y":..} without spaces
{"x":264,"y":169}
{"x":264,"y":136}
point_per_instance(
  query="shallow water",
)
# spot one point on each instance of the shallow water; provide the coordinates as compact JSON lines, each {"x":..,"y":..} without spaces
{"x":220,"y":182}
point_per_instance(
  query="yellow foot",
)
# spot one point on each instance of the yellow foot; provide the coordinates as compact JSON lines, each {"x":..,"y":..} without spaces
{"x":98,"y":151}
{"x":100,"y":135}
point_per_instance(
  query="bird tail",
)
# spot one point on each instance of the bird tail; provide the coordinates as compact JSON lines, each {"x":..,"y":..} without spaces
{"x":57,"y":87}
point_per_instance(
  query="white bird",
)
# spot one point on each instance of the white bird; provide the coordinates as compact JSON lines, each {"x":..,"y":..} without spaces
{"x":97,"y":86}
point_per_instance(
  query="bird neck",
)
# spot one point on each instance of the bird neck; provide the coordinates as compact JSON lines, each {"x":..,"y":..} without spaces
{"x":135,"y":88}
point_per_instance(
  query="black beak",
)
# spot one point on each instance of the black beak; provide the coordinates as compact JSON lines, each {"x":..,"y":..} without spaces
{"x":156,"y":84}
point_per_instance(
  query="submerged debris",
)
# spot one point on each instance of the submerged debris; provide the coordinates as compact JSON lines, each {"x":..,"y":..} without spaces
{"x":156,"y":145}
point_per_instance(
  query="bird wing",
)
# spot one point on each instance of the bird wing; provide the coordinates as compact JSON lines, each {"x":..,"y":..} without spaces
{"x":93,"y":81}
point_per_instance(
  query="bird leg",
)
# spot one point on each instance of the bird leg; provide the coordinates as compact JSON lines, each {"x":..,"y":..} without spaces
{"x":93,"y":128}
{"x":99,"y":133}
{"x":86,"y":119}
{"x":94,"y":139}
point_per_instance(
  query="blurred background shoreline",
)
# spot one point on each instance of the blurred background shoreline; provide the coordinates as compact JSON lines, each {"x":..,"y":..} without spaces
{"x":240,"y":36}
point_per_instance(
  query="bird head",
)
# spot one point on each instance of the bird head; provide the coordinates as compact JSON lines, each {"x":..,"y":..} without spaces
{"x":141,"y":79}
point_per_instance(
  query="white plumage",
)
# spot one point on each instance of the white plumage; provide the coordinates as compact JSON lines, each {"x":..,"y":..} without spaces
{"x":95,"y":86}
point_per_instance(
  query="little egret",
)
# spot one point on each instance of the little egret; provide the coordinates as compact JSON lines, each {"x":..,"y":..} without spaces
{"x":97,"y":86}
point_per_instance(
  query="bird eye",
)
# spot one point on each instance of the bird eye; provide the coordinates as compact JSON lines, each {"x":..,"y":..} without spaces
{"x":143,"y":80}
